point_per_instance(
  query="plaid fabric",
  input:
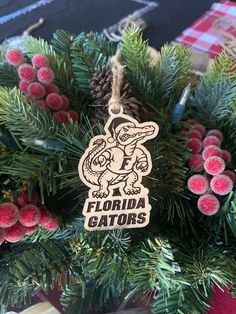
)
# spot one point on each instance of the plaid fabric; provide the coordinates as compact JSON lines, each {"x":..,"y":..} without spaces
{"x":202,"y":34}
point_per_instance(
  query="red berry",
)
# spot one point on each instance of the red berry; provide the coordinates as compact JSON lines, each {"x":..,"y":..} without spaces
{"x":52,"y":88}
{"x":211,"y":150}
{"x":15,"y":233}
{"x":29,"y":215}
{"x":211,"y":140}
{"x":226,"y":156}
{"x":198,"y":184}
{"x":61,"y":116}
{"x":73,"y":115}
{"x":26,"y":198}
{"x":30,"y":230}
{"x":216,"y":133}
{"x":52,"y":225}
{"x":26,"y":72}
{"x":194,"y":134}
{"x":40,"y":60}
{"x":196,"y":162}
{"x":221,"y":184}
{"x":2,"y":235}
{"x":54,"y":101}
{"x":45,"y":216}
{"x":9,"y":214}
{"x":45,"y":75}
{"x":36,"y":90}
{"x":230,"y":174}
{"x":214,"y":165}
{"x":15,"y":57}
{"x":41,"y":103}
{"x":208,"y":204}
{"x":200,"y":128}
{"x":195,"y":145}
{"x":66,"y":102}
{"x":23,"y":85}
{"x":191,"y":121}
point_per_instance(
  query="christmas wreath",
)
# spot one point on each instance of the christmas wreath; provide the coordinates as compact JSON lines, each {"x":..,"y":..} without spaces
{"x":53,"y":101}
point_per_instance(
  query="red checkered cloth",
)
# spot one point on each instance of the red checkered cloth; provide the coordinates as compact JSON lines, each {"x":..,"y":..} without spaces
{"x":202,"y":34}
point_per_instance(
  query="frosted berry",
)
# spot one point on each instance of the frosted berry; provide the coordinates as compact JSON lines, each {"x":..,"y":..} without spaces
{"x":216,"y":133}
{"x":231,"y":175}
{"x":45,"y":75}
{"x":191,"y":121}
{"x":54,"y":102}
{"x":26,"y":72}
{"x":30,"y":230}
{"x":194,"y":134}
{"x":29,"y":215}
{"x":2,"y":235}
{"x":41,"y":103}
{"x":66,"y":102}
{"x":221,"y":184}
{"x":61,"y":116}
{"x":211,"y":140}
{"x":45,"y":216}
{"x":195,"y":145}
{"x":52,"y":225}
{"x":15,"y":57}
{"x":208,"y":204}
{"x":73,"y":115}
{"x":40,"y":60}
{"x":214,"y":165}
{"x":211,"y":150}
{"x":9,"y":214}
{"x":226,"y":156}
{"x":36,"y":90}
{"x":198,"y":184}
{"x":23,"y":85}
{"x":52,"y":88}
{"x":200,"y":128}
{"x":26,"y":198}
{"x":196,"y":163}
{"x":15,"y":233}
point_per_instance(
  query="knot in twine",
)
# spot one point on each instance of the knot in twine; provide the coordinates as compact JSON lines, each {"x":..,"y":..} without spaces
{"x":115,"y":104}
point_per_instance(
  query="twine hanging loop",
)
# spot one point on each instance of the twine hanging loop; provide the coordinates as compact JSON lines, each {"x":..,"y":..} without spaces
{"x":115,"y":104}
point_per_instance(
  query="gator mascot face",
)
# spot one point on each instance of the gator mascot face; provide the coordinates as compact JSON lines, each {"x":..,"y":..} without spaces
{"x":127,"y":133}
{"x":118,"y":159}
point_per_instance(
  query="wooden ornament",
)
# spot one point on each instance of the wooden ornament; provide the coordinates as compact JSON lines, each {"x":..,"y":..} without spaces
{"x":112,"y":167}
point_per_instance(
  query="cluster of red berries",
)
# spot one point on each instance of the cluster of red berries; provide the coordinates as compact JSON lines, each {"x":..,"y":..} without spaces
{"x":23,"y":218}
{"x":36,"y":82}
{"x":209,"y":161}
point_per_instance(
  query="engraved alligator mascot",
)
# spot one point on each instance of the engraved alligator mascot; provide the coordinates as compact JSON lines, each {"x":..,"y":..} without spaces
{"x":118,"y":159}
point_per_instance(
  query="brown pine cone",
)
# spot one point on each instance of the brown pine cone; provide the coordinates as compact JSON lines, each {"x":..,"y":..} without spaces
{"x":101,"y":84}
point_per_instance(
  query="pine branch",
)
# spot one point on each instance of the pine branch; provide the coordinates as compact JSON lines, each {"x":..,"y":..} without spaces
{"x":152,"y":268}
{"x":24,"y":119}
{"x":181,"y":301}
{"x":29,"y":267}
{"x":8,"y":75}
{"x":69,"y":232}
{"x":88,"y":53}
{"x":61,"y":42}
{"x":214,"y":97}
{"x":153,"y":84}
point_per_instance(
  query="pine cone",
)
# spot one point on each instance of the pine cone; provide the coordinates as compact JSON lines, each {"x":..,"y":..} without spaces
{"x":101,"y":84}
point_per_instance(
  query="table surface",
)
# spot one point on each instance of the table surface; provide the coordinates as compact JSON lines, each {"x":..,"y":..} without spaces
{"x":164,"y":23}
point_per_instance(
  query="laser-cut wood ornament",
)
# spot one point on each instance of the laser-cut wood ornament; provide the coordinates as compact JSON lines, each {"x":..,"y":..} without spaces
{"x":117,"y":161}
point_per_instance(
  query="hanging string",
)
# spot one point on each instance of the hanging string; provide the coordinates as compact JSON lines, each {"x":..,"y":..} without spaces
{"x":114,"y":103}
